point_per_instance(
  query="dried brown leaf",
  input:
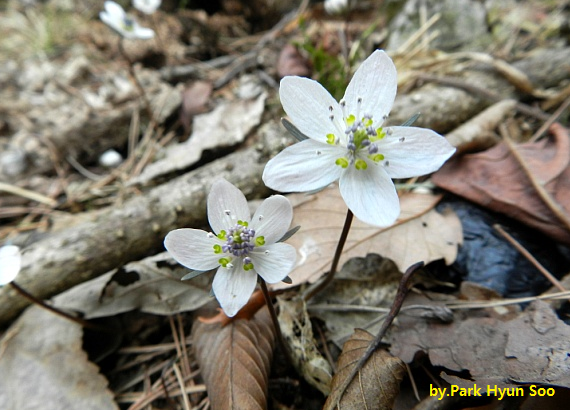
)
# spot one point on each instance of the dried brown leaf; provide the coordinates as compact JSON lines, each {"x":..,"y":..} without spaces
{"x":496,"y":180}
{"x":194,"y":101}
{"x":138,"y":285}
{"x":235,"y":360}
{"x":376,"y":385}
{"x":43,"y":366}
{"x":531,"y":348}
{"x":420,"y":234}
{"x":292,"y":63}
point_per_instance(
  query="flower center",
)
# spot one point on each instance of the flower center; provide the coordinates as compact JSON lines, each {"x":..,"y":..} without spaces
{"x":361,"y":139}
{"x":128,"y":24}
{"x":239,"y":242}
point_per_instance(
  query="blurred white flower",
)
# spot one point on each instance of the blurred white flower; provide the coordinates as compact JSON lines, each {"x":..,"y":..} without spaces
{"x":115,"y":17}
{"x":147,"y":6}
{"x":10,"y":263}
{"x":241,"y":246}
{"x":346,"y":142}
{"x":336,"y":6}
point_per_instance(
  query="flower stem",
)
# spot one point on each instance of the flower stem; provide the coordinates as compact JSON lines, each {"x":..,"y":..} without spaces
{"x":273,"y":314}
{"x":24,"y":293}
{"x":135,"y":80}
{"x":318,"y":287}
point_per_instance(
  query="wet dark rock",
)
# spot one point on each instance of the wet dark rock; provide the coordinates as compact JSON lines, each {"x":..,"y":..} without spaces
{"x":488,"y":259}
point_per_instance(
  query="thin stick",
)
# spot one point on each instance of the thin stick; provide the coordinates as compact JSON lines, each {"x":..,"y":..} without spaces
{"x":56,"y":311}
{"x":185,"y":361}
{"x":31,"y":195}
{"x":394,"y":310}
{"x":182,"y":385}
{"x":413,"y":382}
{"x":273,"y":314}
{"x":553,"y":118}
{"x":311,"y":292}
{"x":529,"y":257}
{"x":135,"y":80}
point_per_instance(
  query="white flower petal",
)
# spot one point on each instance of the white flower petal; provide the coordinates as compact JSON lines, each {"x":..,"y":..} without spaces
{"x":272,"y":219}
{"x":422,"y":151}
{"x":233,"y":287}
{"x":304,"y":166}
{"x":336,"y":6}
{"x":142,"y":33}
{"x":370,"y":195}
{"x":10,"y":263}
{"x":193,"y":248}
{"x":114,"y":9}
{"x":375,"y":82}
{"x":273,"y":263}
{"x":115,"y":17}
{"x":308,"y":104}
{"x":109,"y":20}
{"x":226,"y":205}
{"x":147,"y":6}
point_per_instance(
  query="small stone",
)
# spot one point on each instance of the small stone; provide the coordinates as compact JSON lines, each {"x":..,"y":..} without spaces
{"x":110,"y":158}
{"x":12,"y":163}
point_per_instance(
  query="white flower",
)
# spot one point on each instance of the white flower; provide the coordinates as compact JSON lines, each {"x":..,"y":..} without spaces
{"x":347,"y":142}
{"x":242,"y":246}
{"x":115,"y":17}
{"x":335,"y":6}
{"x":10,"y":263}
{"x":147,"y":6}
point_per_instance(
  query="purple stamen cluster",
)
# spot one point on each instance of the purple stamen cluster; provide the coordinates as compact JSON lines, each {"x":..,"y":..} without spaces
{"x":359,"y":125}
{"x":239,"y":240}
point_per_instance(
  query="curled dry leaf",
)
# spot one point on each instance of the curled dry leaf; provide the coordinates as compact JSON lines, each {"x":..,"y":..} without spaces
{"x":194,"y":101}
{"x":419,"y":234}
{"x":255,"y":303}
{"x":225,"y":126}
{"x":497,"y":180}
{"x":298,"y":334}
{"x":235,"y":360}
{"x":376,"y":386}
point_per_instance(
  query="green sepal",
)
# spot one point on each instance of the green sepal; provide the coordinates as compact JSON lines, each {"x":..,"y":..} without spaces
{"x":192,"y":274}
{"x":289,"y":234}
{"x":411,"y":120}
{"x":291,"y":128}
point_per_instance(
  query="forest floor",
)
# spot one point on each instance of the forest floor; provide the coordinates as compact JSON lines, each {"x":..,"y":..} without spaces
{"x":108,"y":144}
